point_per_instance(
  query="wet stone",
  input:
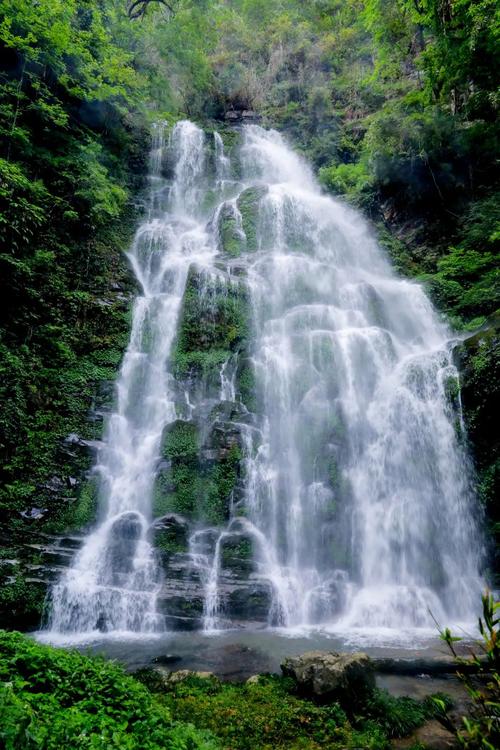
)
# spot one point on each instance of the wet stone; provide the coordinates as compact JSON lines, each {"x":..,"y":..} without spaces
{"x":329,"y":675}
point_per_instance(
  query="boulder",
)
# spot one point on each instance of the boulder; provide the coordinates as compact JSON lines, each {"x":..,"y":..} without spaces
{"x":328,"y":675}
{"x":184,"y":674}
{"x":170,"y":533}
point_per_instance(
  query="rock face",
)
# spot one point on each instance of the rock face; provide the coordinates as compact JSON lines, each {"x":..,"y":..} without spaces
{"x":328,"y":675}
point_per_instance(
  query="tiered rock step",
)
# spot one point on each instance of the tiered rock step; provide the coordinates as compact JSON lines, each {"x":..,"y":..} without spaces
{"x":55,"y":554}
{"x":243,"y":601}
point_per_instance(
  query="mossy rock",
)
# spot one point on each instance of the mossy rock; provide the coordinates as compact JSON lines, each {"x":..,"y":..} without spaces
{"x":170,"y":534}
{"x":237,"y":554}
{"x":178,"y":489}
{"x":231,"y":235}
{"x":180,"y":440}
{"x":478,"y":360}
{"x":248,"y":205}
{"x":213,"y":325}
{"x":79,"y":515}
{"x":245,"y":377}
{"x":219,"y":485}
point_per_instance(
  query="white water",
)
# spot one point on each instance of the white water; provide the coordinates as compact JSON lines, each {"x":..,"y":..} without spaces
{"x":352,"y":362}
{"x":357,"y":485}
{"x":115,"y":578}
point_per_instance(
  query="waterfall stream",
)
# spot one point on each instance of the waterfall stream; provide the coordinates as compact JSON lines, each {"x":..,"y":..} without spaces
{"x":353,"y":490}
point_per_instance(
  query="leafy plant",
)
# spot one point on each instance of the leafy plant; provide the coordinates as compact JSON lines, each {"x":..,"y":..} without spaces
{"x":481,"y":730}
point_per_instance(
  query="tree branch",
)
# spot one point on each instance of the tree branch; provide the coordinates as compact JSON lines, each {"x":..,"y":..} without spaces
{"x":137,"y":8}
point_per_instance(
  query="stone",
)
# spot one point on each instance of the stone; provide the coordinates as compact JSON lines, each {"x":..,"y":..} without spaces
{"x":165,"y":659}
{"x":123,"y":539}
{"x":34,"y":513}
{"x":184,"y":674}
{"x":329,"y":675}
{"x":253,"y":680}
{"x":237,"y":554}
{"x":170,"y":533}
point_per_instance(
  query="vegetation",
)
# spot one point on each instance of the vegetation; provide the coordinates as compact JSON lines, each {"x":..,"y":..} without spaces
{"x":481,"y":730}
{"x":53,"y":699}
{"x":213,"y":325}
{"x":396,"y":104}
{"x":267,"y":713}
{"x":191,"y":486}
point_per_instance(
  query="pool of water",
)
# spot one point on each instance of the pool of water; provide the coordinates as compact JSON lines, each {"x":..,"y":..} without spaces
{"x":238,"y":654}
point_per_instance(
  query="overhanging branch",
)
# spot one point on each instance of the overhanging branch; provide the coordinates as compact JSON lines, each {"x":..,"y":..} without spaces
{"x":137,"y":8}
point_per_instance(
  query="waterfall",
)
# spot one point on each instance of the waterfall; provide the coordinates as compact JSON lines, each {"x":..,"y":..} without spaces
{"x":363,"y":489}
{"x":115,"y":578}
{"x":353,"y":490}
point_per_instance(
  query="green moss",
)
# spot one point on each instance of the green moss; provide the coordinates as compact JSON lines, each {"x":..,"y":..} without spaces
{"x":22,"y":602}
{"x":398,"y":717}
{"x":333,"y":473}
{"x":231,"y":236}
{"x":178,"y":489}
{"x":220,"y":484}
{"x":452,"y":389}
{"x":241,"y":549}
{"x":248,"y":205}
{"x":213,"y":324}
{"x":478,"y":359}
{"x":79,"y":515}
{"x":169,"y":541}
{"x":180,"y":441}
{"x":246,"y":385}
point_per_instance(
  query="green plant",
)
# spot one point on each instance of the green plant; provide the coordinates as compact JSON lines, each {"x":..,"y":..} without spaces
{"x":481,"y":730}
{"x":51,"y":699}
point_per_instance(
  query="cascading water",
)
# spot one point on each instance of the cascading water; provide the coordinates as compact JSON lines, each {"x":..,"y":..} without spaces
{"x":355,"y":491}
{"x":115,"y":578}
{"x":361,"y":486}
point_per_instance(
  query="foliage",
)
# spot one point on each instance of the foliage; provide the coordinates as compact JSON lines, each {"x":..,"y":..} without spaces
{"x":400,"y":716}
{"x":481,"y":730}
{"x":261,"y":715}
{"x":479,"y":360}
{"x":55,"y":699}
{"x":213,"y":325}
{"x":72,"y":153}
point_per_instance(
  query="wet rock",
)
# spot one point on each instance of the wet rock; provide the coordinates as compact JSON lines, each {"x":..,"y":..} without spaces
{"x":123,"y":539}
{"x":433,"y":665}
{"x":241,"y":115}
{"x":230,"y":411}
{"x":184,"y":674}
{"x":250,"y":601}
{"x":223,"y":437}
{"x":54,"y":486}
{"x":169,"y":534}
{"x":253,"y":680}
{"x":237,"y":554}
{"x":347,"y":678}
{"x":166,"y":659}
{"x":183,"y":624}
{"x":34,"y":514}
{"x":102,"y":623}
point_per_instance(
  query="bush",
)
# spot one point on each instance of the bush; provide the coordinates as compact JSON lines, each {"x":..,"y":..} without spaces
{"x":52,"y":699}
